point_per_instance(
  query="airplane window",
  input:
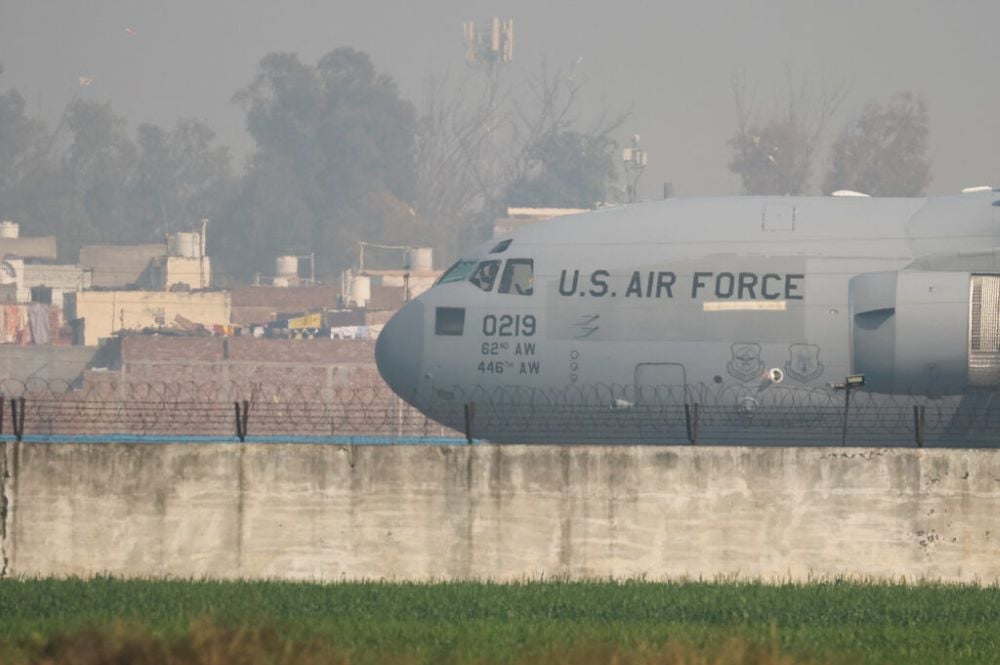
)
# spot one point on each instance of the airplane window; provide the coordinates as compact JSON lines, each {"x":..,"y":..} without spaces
{"x":501,"y":246}
{"x":485,"y":275}
{"x":518,"y":277}
{"x":457,"y":272}
{"x":449,"y":320}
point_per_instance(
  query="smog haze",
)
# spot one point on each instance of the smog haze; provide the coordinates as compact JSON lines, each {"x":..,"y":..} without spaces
{"x":671,"y":64}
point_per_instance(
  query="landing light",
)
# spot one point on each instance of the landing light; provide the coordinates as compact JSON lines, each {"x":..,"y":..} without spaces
{"x":852,"y":381}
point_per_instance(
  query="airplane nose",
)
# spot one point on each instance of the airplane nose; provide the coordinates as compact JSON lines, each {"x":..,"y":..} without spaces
{"x":399,"y":349}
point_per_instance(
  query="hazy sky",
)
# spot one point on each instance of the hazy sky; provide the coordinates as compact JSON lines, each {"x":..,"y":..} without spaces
{"x":671,"y":62}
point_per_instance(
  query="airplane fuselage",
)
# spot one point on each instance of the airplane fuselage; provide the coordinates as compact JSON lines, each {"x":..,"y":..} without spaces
{"x":678,"y":302}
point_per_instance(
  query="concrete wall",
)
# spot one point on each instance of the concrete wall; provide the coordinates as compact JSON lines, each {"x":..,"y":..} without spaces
{"x":327,"y":512}
{"x":32,"y":247}
{"x":262,"y":304}
{"x":116,"y":266}
{"x":316,"y":363}
{"x":58,"y":365}
{"x":63,"y":277}
{"x":106,"y":312}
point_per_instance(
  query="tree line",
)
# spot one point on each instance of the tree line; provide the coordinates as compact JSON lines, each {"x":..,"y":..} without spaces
{"x":880,"y":151}
{"x":340,"y":157}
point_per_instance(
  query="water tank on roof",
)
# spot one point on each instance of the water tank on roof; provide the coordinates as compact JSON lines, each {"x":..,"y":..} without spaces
{"x":186,"y":244}
{"x":287,"y":266}
{"x":421,"y":259}
{"x":9,"y":229}
{"x":361,"y":290}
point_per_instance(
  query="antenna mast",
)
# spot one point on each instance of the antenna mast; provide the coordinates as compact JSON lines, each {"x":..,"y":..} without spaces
{"x":489,"y":46}
{"x":634,"y":159}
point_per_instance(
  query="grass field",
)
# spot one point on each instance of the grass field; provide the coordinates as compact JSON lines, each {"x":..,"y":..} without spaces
{"x":117,"y":621}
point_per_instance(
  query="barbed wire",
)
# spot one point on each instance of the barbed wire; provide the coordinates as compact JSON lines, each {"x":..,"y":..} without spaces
{"x":770,"y":414}
{"x":595,"y":413}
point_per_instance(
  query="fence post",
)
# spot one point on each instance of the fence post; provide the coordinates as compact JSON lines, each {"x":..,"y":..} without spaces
{"x":691,"y":412}
{"x":919,"y":424}
{"x":17,"y":417}
{"x":399,"y":419}
{"x":240,"y":423}
{"x":470,"y":420}
{"x":246,"y":416}
{"x":847,"y":406}
{"x":1,"y":413}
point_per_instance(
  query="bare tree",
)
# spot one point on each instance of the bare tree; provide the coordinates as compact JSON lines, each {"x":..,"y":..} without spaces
{"x":775,"y":156}
{"x":480,"y":139}
{"x":452,"y":146}
{"x":456,"y":163}
{"x":883,"y":151}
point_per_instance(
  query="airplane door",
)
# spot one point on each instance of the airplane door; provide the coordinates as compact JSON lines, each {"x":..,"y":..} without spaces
{"x":660,"y":384}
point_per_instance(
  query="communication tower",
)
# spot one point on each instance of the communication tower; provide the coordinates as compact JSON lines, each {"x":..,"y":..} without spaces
{"x":487,"y":48}
{"x":489,"y":45}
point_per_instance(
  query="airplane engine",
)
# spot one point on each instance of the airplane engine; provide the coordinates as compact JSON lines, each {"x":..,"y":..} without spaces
{"x":926,"y":332}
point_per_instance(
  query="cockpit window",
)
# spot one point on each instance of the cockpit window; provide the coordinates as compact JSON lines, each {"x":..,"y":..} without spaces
{"x":457,"y":272}
{"x":485,"y":274}
{"x":518,"y":277}
{"x":501,"y":246}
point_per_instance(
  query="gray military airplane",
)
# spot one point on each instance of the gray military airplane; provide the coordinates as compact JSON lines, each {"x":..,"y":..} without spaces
{"x":615,"y":324}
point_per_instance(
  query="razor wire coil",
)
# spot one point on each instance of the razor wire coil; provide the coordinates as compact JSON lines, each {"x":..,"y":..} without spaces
{"x":595,"y":413}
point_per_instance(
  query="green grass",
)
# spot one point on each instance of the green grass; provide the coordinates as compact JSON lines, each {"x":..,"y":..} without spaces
{"x":638,"y":622}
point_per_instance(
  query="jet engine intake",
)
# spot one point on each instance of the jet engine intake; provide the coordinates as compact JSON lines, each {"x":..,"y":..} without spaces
{"x":926,"y":332}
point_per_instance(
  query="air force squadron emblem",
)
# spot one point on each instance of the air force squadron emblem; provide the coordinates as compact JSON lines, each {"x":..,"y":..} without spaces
{"x":746,"y":363}
{"x":803,"y":362}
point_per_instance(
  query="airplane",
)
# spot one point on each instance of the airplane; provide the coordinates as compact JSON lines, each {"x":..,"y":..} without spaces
{"x":721,"y":320}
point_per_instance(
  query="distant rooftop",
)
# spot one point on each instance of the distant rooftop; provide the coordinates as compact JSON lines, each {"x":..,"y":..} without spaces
{"x":119,"y":266}
{"x":39,"y":247}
